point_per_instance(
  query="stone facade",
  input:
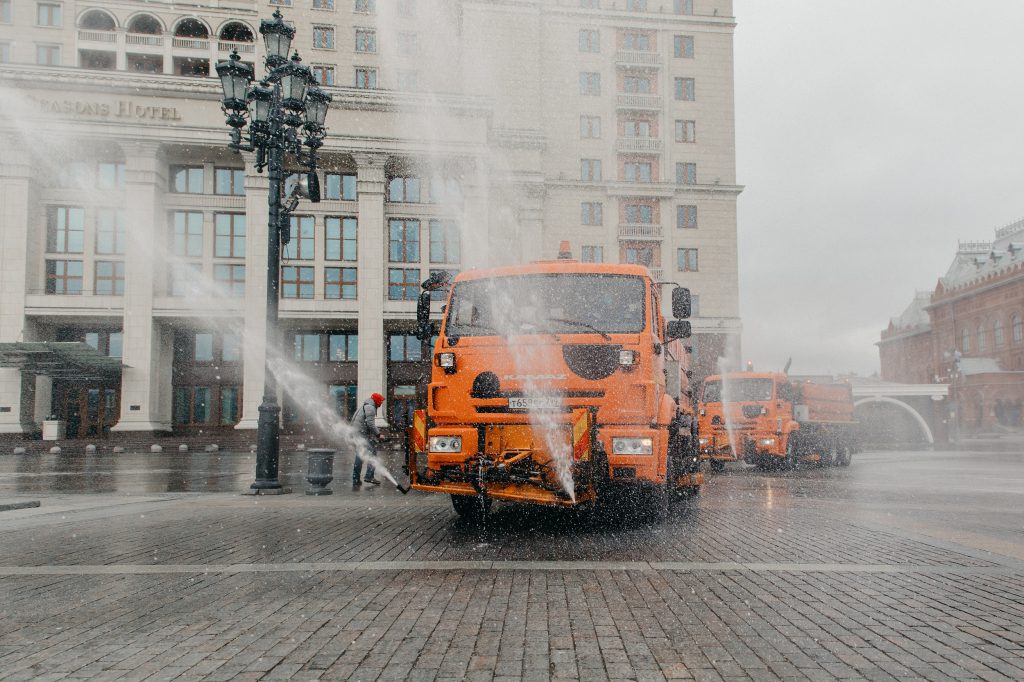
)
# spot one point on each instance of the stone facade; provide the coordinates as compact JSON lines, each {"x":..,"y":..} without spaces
{"x":125,"y":221}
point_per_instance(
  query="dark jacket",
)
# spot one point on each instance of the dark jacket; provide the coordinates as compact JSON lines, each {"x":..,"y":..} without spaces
{"x":364,"y":419}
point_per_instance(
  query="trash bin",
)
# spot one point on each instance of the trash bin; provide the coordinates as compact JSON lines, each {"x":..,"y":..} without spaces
{"x":319,"y":471}
{"x":53,"y":429}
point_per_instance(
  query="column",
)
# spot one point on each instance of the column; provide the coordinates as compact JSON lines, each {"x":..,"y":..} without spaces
{"x":372,"y":372}
{"x":168,"y":51}
{"x":121,"y":58}
{"x":475,"y":222}
{"x":146,"y":377}
{"x":254,"y":349}
{"x":531,"y":223}
{"x":16,"y":223}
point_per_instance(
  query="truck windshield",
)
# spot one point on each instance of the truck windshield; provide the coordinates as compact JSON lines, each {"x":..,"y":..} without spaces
{"x":569,"y":303}
{"x":738,"y":390}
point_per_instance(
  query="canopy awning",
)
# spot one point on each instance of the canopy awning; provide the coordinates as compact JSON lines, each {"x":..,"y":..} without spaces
{"x":59,"y":360}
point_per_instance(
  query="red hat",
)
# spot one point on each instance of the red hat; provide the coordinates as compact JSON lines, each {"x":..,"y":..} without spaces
{"x":377,"y":399}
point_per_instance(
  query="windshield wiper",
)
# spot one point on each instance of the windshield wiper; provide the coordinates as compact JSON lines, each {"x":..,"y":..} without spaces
{"x":577,"y":323}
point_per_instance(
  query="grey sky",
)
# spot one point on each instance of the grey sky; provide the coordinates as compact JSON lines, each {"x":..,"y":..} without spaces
{"x":871,"y":136}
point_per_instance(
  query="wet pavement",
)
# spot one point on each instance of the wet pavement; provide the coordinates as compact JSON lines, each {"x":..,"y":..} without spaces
{"x":905,"y":564}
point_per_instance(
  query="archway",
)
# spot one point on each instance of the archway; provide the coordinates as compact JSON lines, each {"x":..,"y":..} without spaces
{"x":915,"y":415}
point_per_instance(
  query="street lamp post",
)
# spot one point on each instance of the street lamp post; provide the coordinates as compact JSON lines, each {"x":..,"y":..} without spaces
{"x":282,"y":107}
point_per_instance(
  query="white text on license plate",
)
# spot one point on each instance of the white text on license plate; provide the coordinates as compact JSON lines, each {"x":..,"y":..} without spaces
{"x":534,"y":403}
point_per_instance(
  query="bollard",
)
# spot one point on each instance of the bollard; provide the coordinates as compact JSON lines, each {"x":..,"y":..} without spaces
{"x":20,"y":451}
{"x":90,"y":449}
{"x":319,"y":471}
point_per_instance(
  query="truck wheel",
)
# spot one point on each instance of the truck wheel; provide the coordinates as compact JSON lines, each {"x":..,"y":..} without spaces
{"x":471,"y":507}
{"x":844,"y":456}
{"x":792,"y":461}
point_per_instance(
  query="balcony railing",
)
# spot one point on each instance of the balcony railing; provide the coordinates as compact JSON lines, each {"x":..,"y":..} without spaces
{"x":191,"y":43}
{"x":143,"y":39}
{"x":638,"y":58}
{"x":639,"y":231}
{"x":650,"y":145}
{"x":656,"y":274}
{"x":97,"y":36}
{"x":227,"y":46}
{"x":633,"y":101}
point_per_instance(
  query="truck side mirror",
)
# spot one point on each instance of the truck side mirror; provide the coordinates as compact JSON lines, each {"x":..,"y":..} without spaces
{"x":681,"y":304}
{"x":677,"y":329}
{"x":424,"y":329}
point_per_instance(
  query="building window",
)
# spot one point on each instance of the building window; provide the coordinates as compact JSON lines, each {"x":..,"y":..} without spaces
{"x":302,"y":245}
{"x":297,"y":282}
{"x":590,"y":40}
{"x":408,"y":44}
{"x":683,"y":47}
{"x":366,"y":78}
{"x":187,"y":179}
{"x":188,"y":233}
{"x":592,"y":254}
{"x":307,"y":347}
{"x":442,"y":294}
{"x":686,"y":260}
{"x":231,"y":347}
{"x":109,"y":278}
{"x":640,"y":255}
{"x":340,"y":283}
{"x":231,"y":277}
{"x":48,"y":55}
{"x":109,"y":231}
{"x":323,"y":74}
{"x":281,"y":3}
{"x":684,"y":89}
{"x":686,"y":174}
{"x":229,"y":181}
{"x":637,"y":171}
{"x":323,"y":37}
{"x":366,"y":6}
{"x":341,"y":240}
{"x":64,"y":277}
{"x":65,"y":231}
{"x":982,"y":339}
{"x":5,"y":53}
{"x":686,"y":131}
{"x":590,"y":4}
{"x":637,"y":85}
{"x":340,"y":187}
{"x":639,"y":214}
{"x":366,"y":40}
{"x":404,"y":348}
{"x":110,"y":175}
{"x":48,"y":14}
{"x":403,"y":284}
{"x":590,"y":83}
{"x":404,"y":241}
{"x":636,"y":5}
{"x":229,"y":239}
{"x":343,"y":348}
{"x":323,"y":4}
{"x":590,"y":126}
{"x":407,"y":8}
{"x":590,"y":170}
{"x":1018,"y":328}
{"x":965,"y":340}
{"x":192,"y":403}
{"x":444,"y":190}
{"x":444,"y":242}
{"x":998,"y":336}
{"x":636,"y":128}
{"x":230,"y":407}
{"x":184,"y":277}
{"x":592,"y":213}
{"x":686,"y":216}
{"x":5,"y":11}
{"x":683,"y":6}
{"x":408,"y":81}
{"x":636,"y":40}
{"x":404,"y":189}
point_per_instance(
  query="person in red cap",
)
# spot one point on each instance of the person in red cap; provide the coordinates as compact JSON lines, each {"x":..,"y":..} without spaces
{"x":364,"y":422}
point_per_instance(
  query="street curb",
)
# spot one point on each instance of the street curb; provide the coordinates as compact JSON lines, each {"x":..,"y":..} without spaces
{"x":23,"y":504}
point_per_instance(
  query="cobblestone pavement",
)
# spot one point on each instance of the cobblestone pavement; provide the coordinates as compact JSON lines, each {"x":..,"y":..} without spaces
{"x":905,"y":565}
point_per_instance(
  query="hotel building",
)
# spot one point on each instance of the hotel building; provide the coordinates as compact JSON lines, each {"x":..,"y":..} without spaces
{"x":462,"y":133}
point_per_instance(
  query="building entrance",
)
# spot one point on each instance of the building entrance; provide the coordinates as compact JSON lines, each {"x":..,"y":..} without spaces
{"x":87,"y":411}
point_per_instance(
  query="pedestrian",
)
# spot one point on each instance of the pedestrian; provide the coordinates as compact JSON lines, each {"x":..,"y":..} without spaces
{"x":368,"y":436}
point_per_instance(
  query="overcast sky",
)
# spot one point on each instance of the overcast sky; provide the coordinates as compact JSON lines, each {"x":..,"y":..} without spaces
{"x":872,"y":135}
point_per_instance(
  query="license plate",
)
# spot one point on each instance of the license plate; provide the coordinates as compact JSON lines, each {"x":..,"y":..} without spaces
{"x":534,"y":403}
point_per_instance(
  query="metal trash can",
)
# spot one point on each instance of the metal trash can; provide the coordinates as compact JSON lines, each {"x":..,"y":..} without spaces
{"x":319,"y":471}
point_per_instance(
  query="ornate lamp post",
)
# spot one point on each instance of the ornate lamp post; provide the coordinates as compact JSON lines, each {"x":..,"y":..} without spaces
{"x":282,"y":107}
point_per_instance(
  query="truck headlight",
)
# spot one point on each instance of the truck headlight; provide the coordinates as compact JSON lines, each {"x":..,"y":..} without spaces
{"x":446,"y":443}
{"x":627,"y":358}
{"x":446,"y":360}
{"x":632,"y":446}
{"x":766,"y":441}
{"x":702,"y":441}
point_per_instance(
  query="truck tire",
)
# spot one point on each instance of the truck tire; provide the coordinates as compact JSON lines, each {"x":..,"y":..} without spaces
{"x":792,"y":461}
{"x":471,"y":507}
{"x":845,"y":456}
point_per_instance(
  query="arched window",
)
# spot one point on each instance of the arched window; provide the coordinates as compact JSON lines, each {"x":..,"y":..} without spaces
{"x":145,"y":23}
{"x":96,"y":20}
{"x":191,"y":28}
{"x":982,"y":341}
{"x":1018,"y":329}
{"x":236,"y":33}
{"x":999,"y":338}
{"x":965,"y":340}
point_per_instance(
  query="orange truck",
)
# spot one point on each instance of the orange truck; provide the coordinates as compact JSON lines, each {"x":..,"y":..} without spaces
{"x":555,"y":383}
{"x":768,"y":421}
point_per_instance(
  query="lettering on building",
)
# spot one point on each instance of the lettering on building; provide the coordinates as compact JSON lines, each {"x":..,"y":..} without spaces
{"x":125,"y":109}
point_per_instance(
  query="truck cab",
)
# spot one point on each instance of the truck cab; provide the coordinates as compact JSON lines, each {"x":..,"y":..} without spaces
{"x":742,"y":415}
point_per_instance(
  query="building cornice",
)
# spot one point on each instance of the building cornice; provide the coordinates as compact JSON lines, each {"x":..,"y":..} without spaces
{"x":900,"y":336}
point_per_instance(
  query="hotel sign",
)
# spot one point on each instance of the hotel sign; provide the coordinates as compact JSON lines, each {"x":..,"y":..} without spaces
{"x":122,"y":109}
